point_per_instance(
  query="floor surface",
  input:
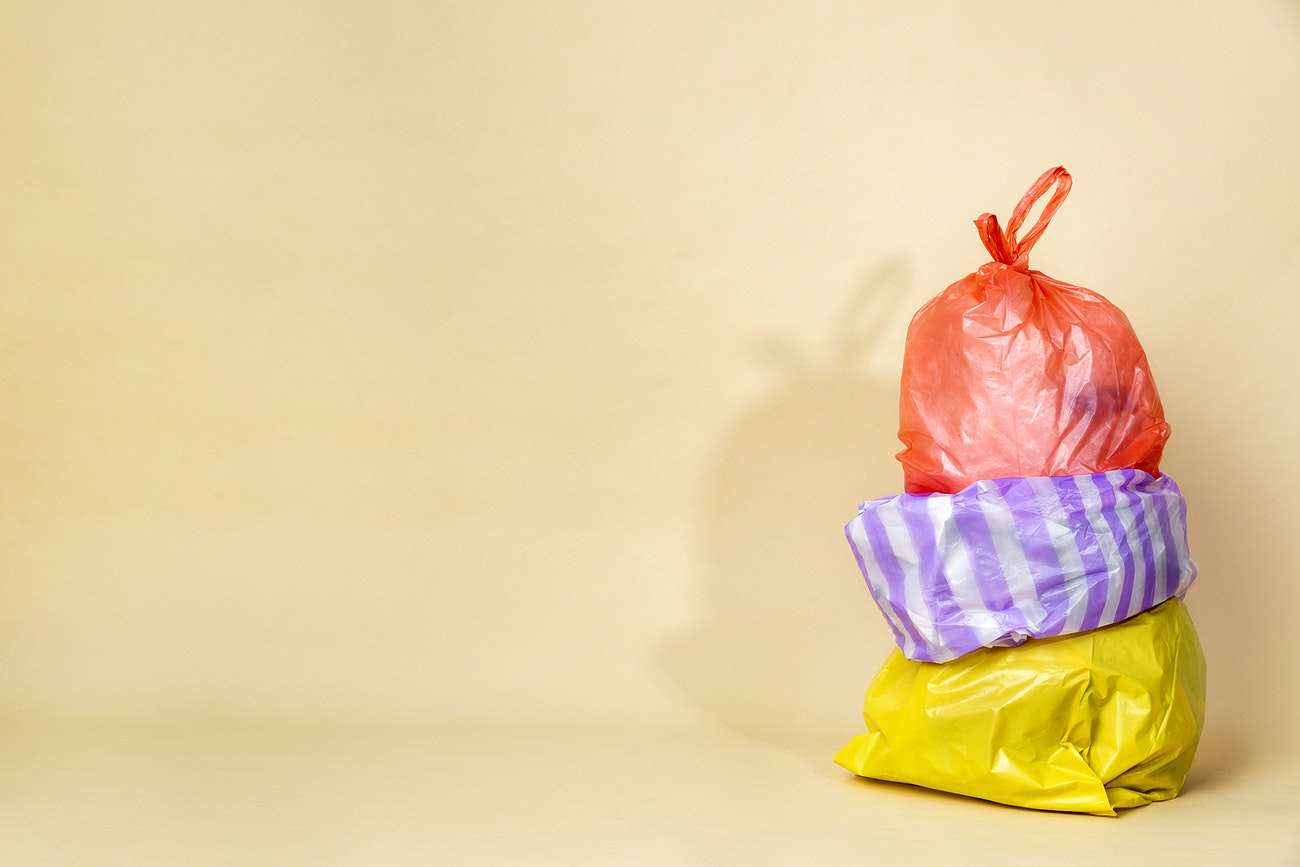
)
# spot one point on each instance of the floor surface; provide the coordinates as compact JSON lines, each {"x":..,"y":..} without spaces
{"x":286,"y":795}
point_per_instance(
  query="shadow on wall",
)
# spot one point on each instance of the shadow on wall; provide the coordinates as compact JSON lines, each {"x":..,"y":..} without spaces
{"x":790,"y":636}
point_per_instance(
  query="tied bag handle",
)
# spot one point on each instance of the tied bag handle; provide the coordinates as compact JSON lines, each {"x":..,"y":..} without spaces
{"x":1005,"y":247}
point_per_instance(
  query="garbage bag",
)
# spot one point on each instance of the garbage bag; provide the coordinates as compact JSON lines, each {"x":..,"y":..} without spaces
{"x":1019,"y":386}
{"x":1008,"y":559}
{"x":1011,"y":373}
{"x":1088,"y":723}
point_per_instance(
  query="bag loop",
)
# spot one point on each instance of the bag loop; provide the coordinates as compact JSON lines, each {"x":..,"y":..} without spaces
{"x":1003,"y":246}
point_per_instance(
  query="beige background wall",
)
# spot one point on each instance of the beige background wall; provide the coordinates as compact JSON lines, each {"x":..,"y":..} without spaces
{"x":522,"y":361}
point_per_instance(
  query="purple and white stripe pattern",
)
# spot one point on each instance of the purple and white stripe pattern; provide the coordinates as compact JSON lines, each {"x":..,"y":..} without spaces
{"x":1010,"y":559}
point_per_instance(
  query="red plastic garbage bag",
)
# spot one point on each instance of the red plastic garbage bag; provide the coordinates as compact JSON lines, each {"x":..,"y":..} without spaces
{"x":1011,"y":373}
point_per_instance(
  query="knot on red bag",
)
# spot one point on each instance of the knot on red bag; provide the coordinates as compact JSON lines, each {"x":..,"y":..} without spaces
{"x":1005,"y":247}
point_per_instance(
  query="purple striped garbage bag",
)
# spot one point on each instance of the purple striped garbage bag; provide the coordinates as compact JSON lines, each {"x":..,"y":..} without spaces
{"x":1009,"y":559}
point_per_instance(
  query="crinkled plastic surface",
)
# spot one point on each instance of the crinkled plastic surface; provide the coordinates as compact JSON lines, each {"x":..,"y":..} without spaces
{"x":1010,"y":559}
{"x":1011,"y":373}
{"x":1088,"y":723}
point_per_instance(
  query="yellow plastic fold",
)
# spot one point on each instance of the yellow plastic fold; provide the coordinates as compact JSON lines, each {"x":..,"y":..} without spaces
{"x":1088,"y":723}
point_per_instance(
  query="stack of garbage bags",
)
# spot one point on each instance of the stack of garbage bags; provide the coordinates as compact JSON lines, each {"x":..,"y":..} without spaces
{"x":1033,"y":570}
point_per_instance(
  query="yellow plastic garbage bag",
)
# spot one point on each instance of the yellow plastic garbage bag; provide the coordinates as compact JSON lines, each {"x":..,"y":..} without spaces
{"x":1092,"y":722}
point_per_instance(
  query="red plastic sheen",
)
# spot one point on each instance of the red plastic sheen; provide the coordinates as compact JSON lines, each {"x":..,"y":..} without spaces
{"x":1008,"y":372}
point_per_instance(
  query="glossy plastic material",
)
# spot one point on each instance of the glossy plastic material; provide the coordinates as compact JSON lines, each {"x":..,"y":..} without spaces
{"x":1010,"y":559}
{"x":1086,"y":723}
{"x":1011,"y":373}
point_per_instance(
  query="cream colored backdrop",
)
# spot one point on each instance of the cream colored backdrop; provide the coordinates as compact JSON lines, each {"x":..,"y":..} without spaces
{"x":521,"y":362}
